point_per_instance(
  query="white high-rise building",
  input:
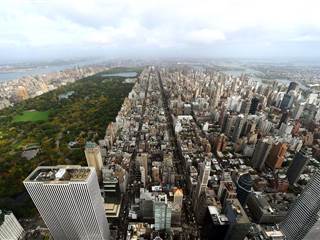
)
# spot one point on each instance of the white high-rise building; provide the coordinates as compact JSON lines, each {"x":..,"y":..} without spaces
{"x":94,"y":158}
{"x":10,"y":228}
{"x":69,"y":201}
{"x":202,"y":182}
{"x":303,"y":213}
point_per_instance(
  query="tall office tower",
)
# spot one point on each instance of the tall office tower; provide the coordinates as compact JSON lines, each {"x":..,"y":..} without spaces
{"x":142,"y":159}
{"x":10,"y":228}
{"x":304,"y":213}
{"x":287,"y":101}
{"x":261,"y":152}
{"x":143,"y":176}
{"x":238,"y":127}
{"x":277,"y":155}
{"x":146,"y":204}
{"x":229,"y":124}
{"x":177,"y":198}
{"x":245,"y":106}
{"x":214,"y":101}
{"x":156,"y":174}
{"x":224,"y":116}
{"x":248,"y":128}
{"x":292,"y":86}
{"x":254,"y":105}
{"x":69,"y":201}
{"x":299,"y":110}
{"x":202,"y":182}
{"x":220,"y":143}
{"x":244,"y":186}
{"x":162,"y":213}
{"x":299,"y":161}
{"x":94,"y":158}
{"x":177,"y":207}
{"x":284,"y":118}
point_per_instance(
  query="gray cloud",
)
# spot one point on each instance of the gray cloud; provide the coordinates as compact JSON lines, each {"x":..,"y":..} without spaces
{"x":210,"y":28}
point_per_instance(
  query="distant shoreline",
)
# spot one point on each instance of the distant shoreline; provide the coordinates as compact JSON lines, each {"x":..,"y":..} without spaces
{"x":16,"y":72}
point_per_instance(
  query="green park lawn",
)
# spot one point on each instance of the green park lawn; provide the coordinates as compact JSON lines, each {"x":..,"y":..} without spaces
{"x":32,"y":116}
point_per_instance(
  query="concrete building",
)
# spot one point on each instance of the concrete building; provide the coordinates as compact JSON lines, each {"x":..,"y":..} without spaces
{"x":239,"y":222}
{"x":94,"y":158}
{"x":162,"y":213}
{"x":202,"y":183}
{"x":238,"y":127}
{"x":261,"y":153}
{"x":304,"y":213}
{"x":178,"y":198}
{"x":69,"y":201}
{"x":10,"y":228}
{"x":277,"y":155}
{"x":269,"y":208}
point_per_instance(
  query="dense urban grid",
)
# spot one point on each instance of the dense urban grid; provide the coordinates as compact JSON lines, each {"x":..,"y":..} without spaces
{"x":194,"y":153}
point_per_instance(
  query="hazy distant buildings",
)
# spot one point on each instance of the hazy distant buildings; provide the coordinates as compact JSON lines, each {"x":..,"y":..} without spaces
{"x":69,"y":201}
{"x":304,"y":213}
{"x":10,"y":228}
{"x":94,"y":158}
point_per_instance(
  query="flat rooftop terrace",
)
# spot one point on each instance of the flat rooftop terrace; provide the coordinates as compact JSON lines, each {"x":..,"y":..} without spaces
{"x":63,"y":173}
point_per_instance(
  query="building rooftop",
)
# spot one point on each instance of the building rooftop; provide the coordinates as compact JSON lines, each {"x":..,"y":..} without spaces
{"x":62,"y":173}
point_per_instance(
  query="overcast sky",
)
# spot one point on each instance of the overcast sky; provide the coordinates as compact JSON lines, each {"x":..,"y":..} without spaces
{"x":167,"y":28}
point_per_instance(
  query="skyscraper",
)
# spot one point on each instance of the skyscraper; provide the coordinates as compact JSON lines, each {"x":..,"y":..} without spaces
{"x":238,"y":127}
{"x":292,"y":86}
{"x":261,"y":153}
{"x":254,"y":105}
{"x":177,"y":198}
{"x":277,"y":155}
{"x":287,"y":101}
{"x":284,"y":117}
{"x":244,"y":186}
{"x":162,"y":213}
{"x":69,"y":201}
{"x":304,"y":213}
{"x":296,"y":167}
{"x":245,"y":106}
{"x":202,"y":182}
{"x":94,"y":158}
{"x":10,"y":228}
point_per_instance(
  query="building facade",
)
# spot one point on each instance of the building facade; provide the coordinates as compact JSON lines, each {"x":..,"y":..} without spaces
{"x":10,"y":228}
{"x":69,"y":201}
{"x":304,"y":213}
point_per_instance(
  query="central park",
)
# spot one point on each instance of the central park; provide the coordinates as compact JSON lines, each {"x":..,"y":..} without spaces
{"x":49,"y":123}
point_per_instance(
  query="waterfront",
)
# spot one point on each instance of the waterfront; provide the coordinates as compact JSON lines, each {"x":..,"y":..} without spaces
{"x":14,"y":72}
